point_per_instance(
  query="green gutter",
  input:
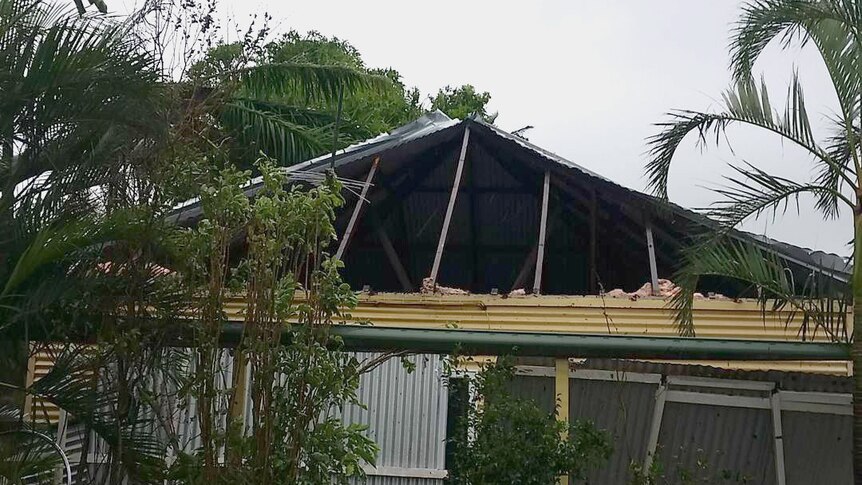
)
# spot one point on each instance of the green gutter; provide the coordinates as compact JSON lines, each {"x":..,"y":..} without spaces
{"x":484,"y":342}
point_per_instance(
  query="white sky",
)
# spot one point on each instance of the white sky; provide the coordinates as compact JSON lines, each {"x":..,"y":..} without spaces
{"x":591,"y":76}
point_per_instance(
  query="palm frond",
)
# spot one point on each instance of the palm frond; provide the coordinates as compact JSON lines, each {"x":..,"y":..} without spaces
{"x":26,"y":457}
{"x":287,"y":138}
{"x":840,"y":146}
{"x":75,"y":90}
{"x":762,"y":21}
{"x":834,"y":26}
{"x":746,"y":104}
{"x":315,"y":82}
{"x":73,"y":385}
{"x":51,"y":245}
{"x":306,"y":116}
{"x":746,"y":262}
{"x":753,"y":192}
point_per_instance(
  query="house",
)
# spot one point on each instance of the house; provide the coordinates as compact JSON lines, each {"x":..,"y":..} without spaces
{"x":458,"y":226}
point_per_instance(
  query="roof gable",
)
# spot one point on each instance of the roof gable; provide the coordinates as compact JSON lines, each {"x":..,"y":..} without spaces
{"x":595,"y":227}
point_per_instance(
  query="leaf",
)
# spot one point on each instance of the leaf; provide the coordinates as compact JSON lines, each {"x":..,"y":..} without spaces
{"x":744,"y":261}
{"x":315,"y":82}
{"x":745,"y":104}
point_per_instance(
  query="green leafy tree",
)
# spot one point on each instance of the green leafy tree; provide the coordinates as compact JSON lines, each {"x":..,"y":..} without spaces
{"x":293,"y":384}
{"x":834,"y":28}
{"x":505,"y":439}
{"x":371,"y":111}
{"x":462,"y":102}
{"x":281,"y":97}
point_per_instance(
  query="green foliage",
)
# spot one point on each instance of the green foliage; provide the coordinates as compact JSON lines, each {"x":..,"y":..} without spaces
{"x":289,"y":286}
{"x":280,"y":97}
{"x":504,"y":439}
{"x":833,"y":28}
{"x":96,"y":148}
{"x":81,"y":116}
{"x":704,"y":472}
{"x":462,"y":102}
{"x":368,"y":110}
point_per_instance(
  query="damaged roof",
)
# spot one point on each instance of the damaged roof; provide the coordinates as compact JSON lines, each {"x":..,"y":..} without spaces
{"x":434,"y":137}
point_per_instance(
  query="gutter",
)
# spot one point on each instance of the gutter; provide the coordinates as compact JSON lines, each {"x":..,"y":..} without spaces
{"x":536,"y":344}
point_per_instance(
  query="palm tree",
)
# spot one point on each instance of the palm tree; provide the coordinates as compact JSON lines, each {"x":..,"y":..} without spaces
{"x":82,"y":109}
{"x":87,"y":120}
{"x":286,"y":107}
{"x":834,"y":28}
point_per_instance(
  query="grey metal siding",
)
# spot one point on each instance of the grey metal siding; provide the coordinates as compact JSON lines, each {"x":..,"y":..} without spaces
{"x":819,"y":448}
{"x":712,"y":442}
{"x":405,"y":413}
{"x":539,"y":389}
{"x":624,"y":411}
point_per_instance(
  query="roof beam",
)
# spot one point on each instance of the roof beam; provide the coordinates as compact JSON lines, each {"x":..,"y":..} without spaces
{"x":474,"y":225}
{"x":593,"y":276}
{"x":389,"y":196}
{"x":391,"y":254}
{"x":357,"y":209}
{"x":444,"y":231}
{"x":653,"y":271}
{"x":530,"y":260}
{"x":543,"y":225}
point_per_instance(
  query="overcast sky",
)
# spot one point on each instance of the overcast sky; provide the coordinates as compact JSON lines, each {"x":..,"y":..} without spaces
{"x":591,"y":76}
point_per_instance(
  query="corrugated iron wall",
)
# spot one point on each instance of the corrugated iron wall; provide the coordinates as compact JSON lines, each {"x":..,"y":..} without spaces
{"x":819,"y":447}
{"x":711,"y":442}
{"x":406,"y":415}
{"x":624,"y":411}
{"x":701,"y":443}
{"x":405,"y":411}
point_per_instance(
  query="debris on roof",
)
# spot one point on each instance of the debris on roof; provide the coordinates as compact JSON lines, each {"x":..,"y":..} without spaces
{"x":666,"y":289}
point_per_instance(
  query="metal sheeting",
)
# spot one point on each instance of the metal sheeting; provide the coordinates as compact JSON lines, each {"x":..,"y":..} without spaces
{"x":379,"y":480}
{"x":834,"y":265}
{"x":721,"y":444}
{"x":435,"y":128}
{"x":405,"y":412}
{"x":577,"y":314}
{"x":539,"y":389}
{"x":711,"y":442}
{"x":820,"y":448}
{"x":624,"y":410}
{"x":787,"y":381}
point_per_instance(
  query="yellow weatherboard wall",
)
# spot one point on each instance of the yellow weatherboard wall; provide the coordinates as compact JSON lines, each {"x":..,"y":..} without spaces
{"x":730,"y":319}
{"x":569,"y":314}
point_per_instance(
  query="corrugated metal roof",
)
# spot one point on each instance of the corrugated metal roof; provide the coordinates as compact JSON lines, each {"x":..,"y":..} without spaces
{"x":425,"y":125}
{"x":787,"y":381}
{"x":579,"y":314}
